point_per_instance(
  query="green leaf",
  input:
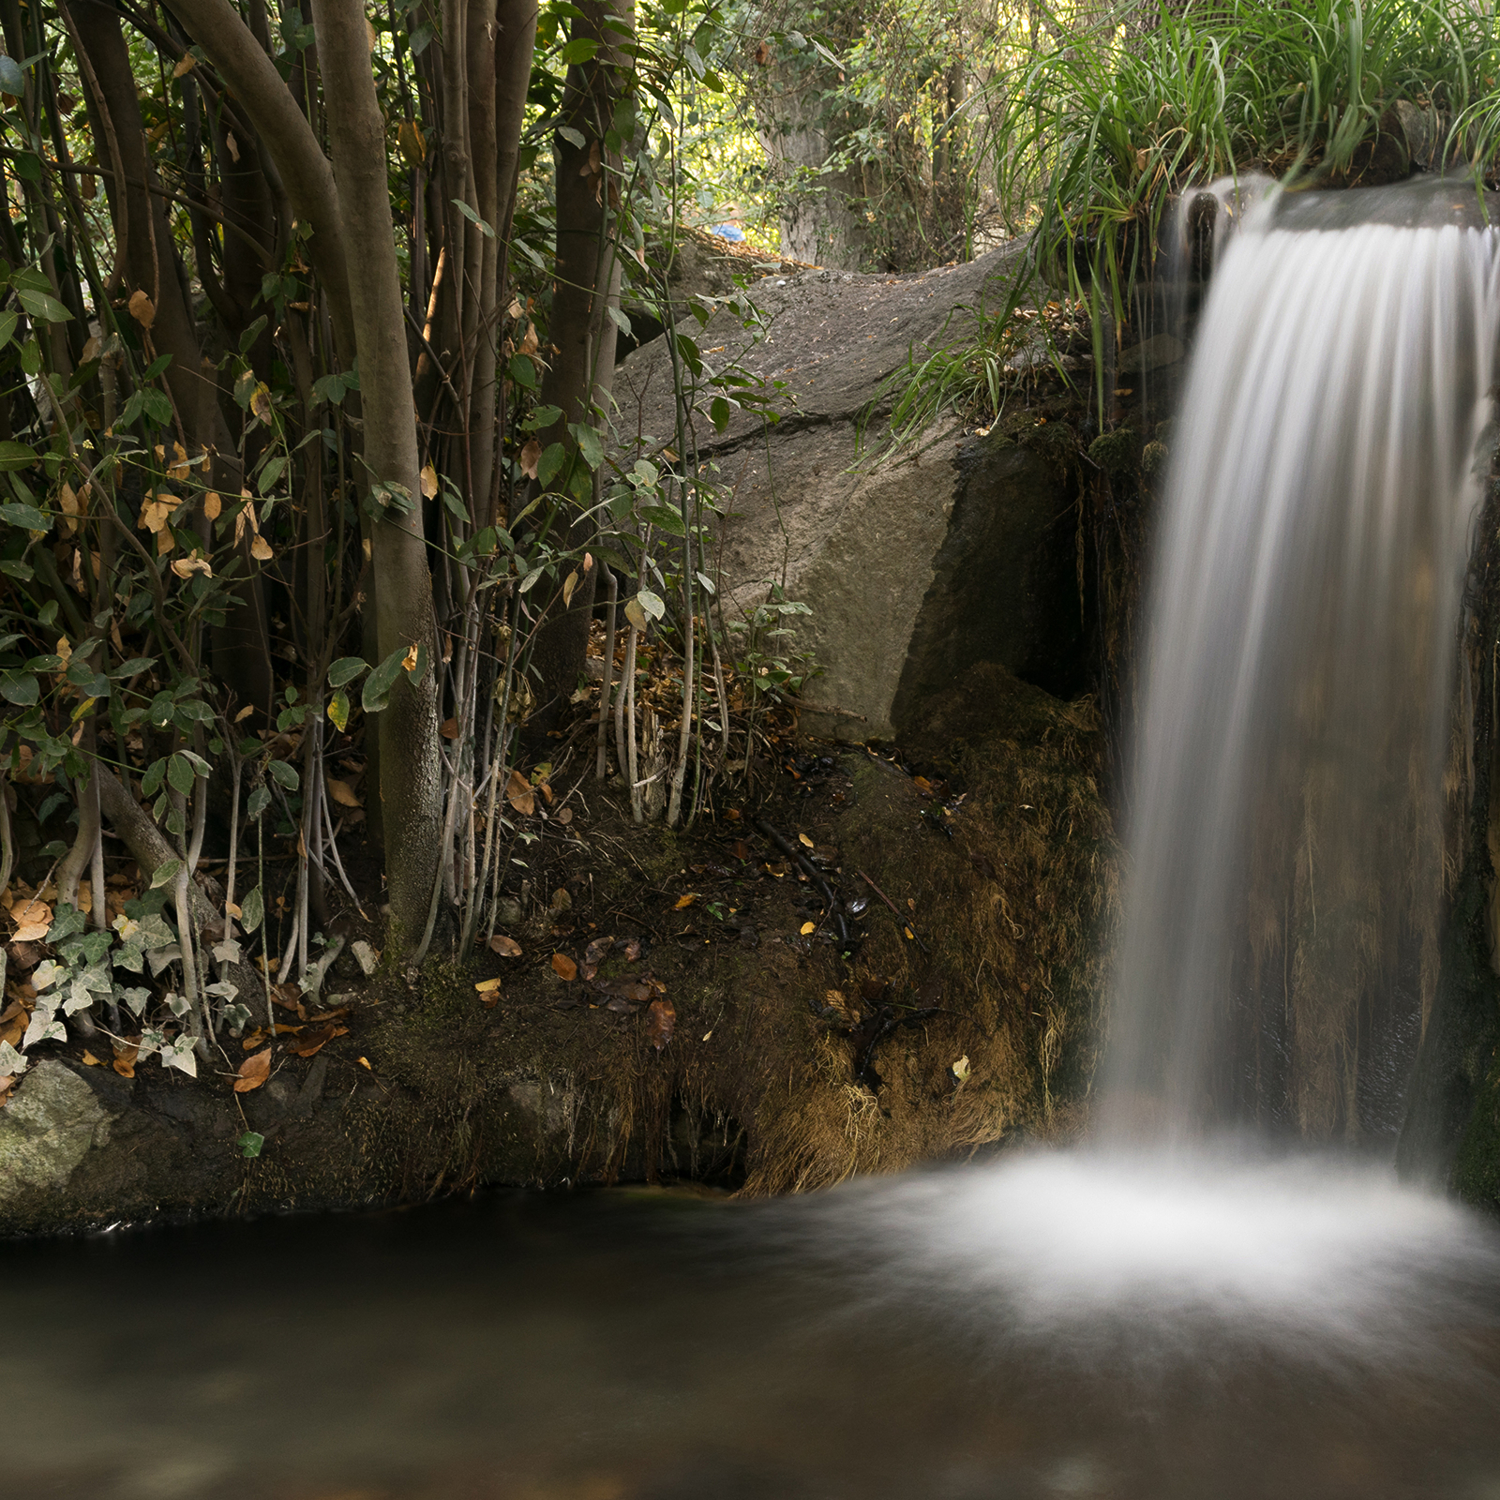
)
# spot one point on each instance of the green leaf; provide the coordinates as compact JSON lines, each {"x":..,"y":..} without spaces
{"x":270,"y":473}
{"x":573,"y":137}
{"x":16,"y":456}
{"x":250,"y":1143}
{"x":12,"y":79}
{"x":590,"y":445}
{"x":473,"y":218}
{"x":580,"y":50}
{"x":550,"y":464}
{"x":651,"y":604}
{"x":19,"y":688}
{"x":378,"y":684}
{"x":252,"y":910}
{"x":523,"y":372}
{"x":542,"y":417}
{"x":345,"y":670}
{"x":156,"y":367}
{"x":151,"y":781}
{"x":260,"y":800}
{"x":180,"y":774}
{"x":165,"y":873}
{"x":285,"y":773}
{"x":8,"y":321}
{"x":42,"y":307}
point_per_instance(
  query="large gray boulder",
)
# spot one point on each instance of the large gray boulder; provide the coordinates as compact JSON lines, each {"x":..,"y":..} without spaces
{"x":47,"y":1129}
{"x":916,"y":565}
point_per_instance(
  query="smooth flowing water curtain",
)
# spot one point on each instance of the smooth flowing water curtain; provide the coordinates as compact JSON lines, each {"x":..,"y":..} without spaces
{"x":1280,"y":945}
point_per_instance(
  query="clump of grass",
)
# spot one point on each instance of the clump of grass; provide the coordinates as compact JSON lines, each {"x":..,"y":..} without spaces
{"x":1101,"y":126}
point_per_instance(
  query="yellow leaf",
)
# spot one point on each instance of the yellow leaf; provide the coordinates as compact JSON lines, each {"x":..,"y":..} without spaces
{"x":165,"y":541}
{"x":90,"y":1060}
{"x":530,"y":456}
{"x":409,"y":661}
{"x":185,"y":64}
{"x":569,"y":584}
{"x":364,"y":1062}
{"x":685,"y":901}
{"x":212,"y":505}
{"x":484,"y":986}
{"x":260,"y":402}
{"x":244,"y":713}
{"x":142,"y":309}
{"x":808,"y":928}
{"x":429,"y":482}
{"x":506,"y":947}
{"x":802,"y":838}
{"x":342,"y":792}
{"x":64,"y":649}
{"x":185,"y":567}
{"x":156,"y":510}
{"x":260,"y":550}
{"x":68,"y":502}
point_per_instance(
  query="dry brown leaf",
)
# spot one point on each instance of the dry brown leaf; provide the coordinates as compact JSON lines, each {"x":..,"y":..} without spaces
{"x":341,"y":792}
{"x":530,"y":456}
{"x":32,"y":919}
{"x":154,"y":512}
{"x":409,"y":661}
{"x":142,"y":309}
{"x":6,"y":1085}
{"x":564,"y":967}
{"x":185,"y":567}
{"x":569,"y":584}
{"x":506,"y":947}
{"x":683,"y":902}
{"x":126,"y":1053}
{"x":260,"y":550}
{"x":253,"y":1072}
{"x":255,"y":1038}
{"x":185,"y":64}
{"x":529,"y":340}
{"x":429,"y":482}
{"x":598,"y":950}
{"x":315,"y":1041}
{"x":519,"y":793}
{"x":661,"y":1021}
{"x":802,"y":838}
{"x":212,"y":506}
{"x":364,"y":1062}
{"x":449,"y":729}
{"x":565,"y":816}
{"x":90,"y":1061}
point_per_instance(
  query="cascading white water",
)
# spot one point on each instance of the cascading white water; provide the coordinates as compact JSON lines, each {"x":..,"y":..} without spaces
{"x":1285,"y":828}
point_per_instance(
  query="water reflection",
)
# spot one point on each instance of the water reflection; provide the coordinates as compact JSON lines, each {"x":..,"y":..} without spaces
{"x":1056,"y":1325}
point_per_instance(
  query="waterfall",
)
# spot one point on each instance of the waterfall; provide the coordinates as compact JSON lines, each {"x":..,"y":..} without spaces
{"x":1279,"y":949}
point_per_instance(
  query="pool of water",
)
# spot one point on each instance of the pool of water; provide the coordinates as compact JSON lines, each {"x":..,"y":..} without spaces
{"x":1051,"y":1325}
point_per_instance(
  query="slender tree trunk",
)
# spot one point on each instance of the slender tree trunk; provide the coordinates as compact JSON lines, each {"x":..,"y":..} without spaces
{"x":408,"y":728}
{"x":583,"y":334}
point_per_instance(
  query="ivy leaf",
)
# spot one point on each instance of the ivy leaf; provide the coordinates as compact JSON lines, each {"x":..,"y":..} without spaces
{"x":252,"y":911}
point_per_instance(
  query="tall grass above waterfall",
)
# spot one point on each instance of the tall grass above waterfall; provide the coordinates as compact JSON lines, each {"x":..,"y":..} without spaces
{"x":1101,"y":124}
{"x":1104,"y":124}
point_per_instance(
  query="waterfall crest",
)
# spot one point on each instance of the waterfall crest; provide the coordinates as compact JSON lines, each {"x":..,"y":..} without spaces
{"x":1279,"y":947}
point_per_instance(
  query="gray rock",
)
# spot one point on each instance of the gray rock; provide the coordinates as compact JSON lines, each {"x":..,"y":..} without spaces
{"x":915,"y":565}
{"x":47,"y":1128}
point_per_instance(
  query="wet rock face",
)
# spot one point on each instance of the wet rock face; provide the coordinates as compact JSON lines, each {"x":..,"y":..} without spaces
{"x":916,"y":565}
{"x":47,"y":1129}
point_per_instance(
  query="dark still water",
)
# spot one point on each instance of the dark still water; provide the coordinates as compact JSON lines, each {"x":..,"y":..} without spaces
{"x":1057,"y":1325}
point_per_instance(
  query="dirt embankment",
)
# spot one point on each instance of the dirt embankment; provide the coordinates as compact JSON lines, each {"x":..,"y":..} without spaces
{"x":682,"y":1005}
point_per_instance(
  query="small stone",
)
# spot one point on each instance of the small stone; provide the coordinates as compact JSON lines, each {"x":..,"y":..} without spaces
{"x":365,"y":956}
